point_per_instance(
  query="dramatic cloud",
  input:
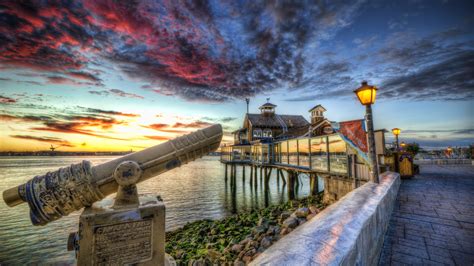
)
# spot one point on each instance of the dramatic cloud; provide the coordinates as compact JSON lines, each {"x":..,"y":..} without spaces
{"x":196,"y":50}
{"x":107,"y":112}
{"x":161,"y":138}
{"x":51,"y":140}
{"x":116,"y":92}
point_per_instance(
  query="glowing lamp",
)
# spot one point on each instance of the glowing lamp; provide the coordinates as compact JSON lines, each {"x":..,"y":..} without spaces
{"x":396,"y":131}
{"x":402,"y":144}
{"x":366,"y":93}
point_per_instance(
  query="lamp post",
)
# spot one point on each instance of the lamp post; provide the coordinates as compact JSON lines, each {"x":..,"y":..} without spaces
{"x":396,"y":132}
{"x":366,"y":95}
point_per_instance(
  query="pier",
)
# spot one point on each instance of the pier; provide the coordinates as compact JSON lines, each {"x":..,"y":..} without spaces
{"x":330,"y":158}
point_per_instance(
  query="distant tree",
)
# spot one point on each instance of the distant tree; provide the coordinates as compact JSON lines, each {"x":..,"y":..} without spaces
{"x":412,"y":148}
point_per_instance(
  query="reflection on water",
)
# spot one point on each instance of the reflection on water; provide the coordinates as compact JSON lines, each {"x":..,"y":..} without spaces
{"x":195,"y":191}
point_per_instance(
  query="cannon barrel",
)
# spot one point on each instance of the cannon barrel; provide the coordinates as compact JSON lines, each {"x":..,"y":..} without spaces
{"x":71,"y":188}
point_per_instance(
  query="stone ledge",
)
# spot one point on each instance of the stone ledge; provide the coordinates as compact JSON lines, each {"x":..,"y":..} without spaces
{"x":348,"y":232}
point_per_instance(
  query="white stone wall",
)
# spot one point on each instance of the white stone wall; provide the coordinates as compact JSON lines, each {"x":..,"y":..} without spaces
{"x":349,"y":232}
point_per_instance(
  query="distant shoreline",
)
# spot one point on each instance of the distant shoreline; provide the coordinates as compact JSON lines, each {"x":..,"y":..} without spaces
{"x":58,"y":153}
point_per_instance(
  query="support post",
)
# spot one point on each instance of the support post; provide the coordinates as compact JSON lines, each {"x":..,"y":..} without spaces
{"x":371,"y":138}
{"x":314,"y":184}
{"x":226,"y":172}
{"x":243,"y":173}
{"x":291,"y":185}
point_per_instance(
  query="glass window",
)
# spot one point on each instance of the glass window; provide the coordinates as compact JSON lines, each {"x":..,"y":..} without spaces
{"x":257,"y":133}
{"x":284,"y":152}
{"x":337,"y":155}
{"x":293,"y":152}
{"x":303,"y":151}
{"x":267,"y":133}
{"x":319,"y":159}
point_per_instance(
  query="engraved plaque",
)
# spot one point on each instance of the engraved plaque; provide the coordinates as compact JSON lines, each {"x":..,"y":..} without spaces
{"x":123,"y":243}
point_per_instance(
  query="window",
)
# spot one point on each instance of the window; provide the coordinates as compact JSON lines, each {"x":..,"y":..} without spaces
{"x":257,"y":133}
{"x":267,"y":133}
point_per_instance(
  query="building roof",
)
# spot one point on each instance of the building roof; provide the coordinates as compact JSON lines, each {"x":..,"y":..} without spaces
{"x":258,"y":120}
{"x":267,"y":105}
{"x":320,"y":106}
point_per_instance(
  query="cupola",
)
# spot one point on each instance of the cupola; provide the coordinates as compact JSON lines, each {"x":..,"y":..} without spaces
{"x":267,"y":109}
{"x":317,"y":114}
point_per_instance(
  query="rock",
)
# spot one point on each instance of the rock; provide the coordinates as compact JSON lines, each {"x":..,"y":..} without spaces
{"x":302,"y":212}
{"x":246,"y":240}
{"x":250,"y":252}
{"x":290,"y":222}
{"x":241,"y":254}
{"x":237,"y":248}
{"x":199,"y":262}
{"x":314,"y":209}
{"x":256,"y":255}
{"x":301,"y":221}
{"x":247,"y":259}
{"x":284,"y":231}
{"x":259,"y":230}
{"x":266,"y":242}
{"x":273,"y":230}
{"x":251,"y":244}
{"x":238,"y":262}
{"x":284,"y":215}
{"x":311,"y":216}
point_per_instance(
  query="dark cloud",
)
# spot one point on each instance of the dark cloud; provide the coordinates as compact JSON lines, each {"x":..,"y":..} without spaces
{"x":450,"y":79}
{"x":116,"y":92}
{"x":220,"y":119}
{"x":209,"y":52}
{"x":107,"y":112}
{"x":51,"y":140}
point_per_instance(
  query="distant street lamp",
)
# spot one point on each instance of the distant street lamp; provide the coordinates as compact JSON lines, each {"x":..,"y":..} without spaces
{"x":403,"y":144}
{"x":396,"y":132}
{"x":366,"y":95}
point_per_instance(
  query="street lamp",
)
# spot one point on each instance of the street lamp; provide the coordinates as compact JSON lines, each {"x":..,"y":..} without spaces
{"x":403,"y":144}
{"x":396,"y":132}
{"x":366,"y":95}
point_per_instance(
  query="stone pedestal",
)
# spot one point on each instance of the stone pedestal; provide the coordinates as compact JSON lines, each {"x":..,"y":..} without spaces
{"x":128,"y":235}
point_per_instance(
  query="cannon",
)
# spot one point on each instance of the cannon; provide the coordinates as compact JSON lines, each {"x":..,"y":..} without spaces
{"x":58,"y":193}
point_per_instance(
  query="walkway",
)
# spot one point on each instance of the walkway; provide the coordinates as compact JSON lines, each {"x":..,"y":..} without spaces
{"x":433,"y":220}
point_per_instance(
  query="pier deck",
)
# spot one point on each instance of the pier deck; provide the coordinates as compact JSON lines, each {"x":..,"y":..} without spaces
{"x":433,"y":219}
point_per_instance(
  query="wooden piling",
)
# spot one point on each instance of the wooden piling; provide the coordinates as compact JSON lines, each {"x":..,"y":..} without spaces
{"x":291,"y":184}
{"x":243,"y":173}
{"x":226,"y":172}
{"x":313,"y":178}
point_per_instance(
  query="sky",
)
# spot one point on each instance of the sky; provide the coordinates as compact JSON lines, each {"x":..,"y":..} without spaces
{"x":96,"y":75}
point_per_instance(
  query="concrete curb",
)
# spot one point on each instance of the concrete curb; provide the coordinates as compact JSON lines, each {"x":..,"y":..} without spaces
{"x":349,"y":232}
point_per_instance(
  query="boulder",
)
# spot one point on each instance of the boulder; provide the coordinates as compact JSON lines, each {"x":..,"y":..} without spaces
{"x":259,"y":230}
{"x":301,"y":221}
{"x":273,"y":230}
{"x":311,"y":216}
{"x":290,"y":222}
{"x":314,"y":209}
{"x":284,"y":215}
{"x":246,"y":240}
{"x":263,"y":222}
{"x":247,"y":259}
{"x":301,"y":212}
{"x":266,"y":242}
{"x":238,"y":262}
{"x":237,"y":248}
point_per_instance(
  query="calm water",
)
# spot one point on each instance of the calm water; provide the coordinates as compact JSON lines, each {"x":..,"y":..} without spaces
{"x":193,"y":192}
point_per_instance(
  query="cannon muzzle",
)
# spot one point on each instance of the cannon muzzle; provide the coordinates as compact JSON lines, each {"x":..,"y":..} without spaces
{"x":68,"y":189}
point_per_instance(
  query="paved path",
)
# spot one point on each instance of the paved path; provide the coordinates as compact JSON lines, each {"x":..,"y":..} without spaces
{"x":433,"y":220}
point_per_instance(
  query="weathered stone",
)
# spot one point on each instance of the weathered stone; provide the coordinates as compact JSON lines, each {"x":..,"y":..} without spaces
{"x":273,"y":230}
{"x":266,"y":242}
{"x":237,"y":248}
{"x":311,"y":216}
{"x":251,"y":252}
{"x":301,"y":221}
{"x":247,"y":259}
{"x":284,"y":215}
{"x":213,"y":254}
{"x":246,"y":240}
{"x":256,"y":255}
{"x":313,"y":209}
{"x":290,"y":222}
{"x":259,"y":230}
{"x":263,"y":222}
{"x":238,"y":262}
{"x":302,"y":212}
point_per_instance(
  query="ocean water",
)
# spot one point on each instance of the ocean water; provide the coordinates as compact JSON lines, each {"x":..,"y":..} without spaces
{"x":192,"y":192}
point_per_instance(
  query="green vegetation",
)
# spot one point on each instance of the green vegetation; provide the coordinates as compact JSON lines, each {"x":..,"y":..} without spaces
{"x":240,"y":237}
